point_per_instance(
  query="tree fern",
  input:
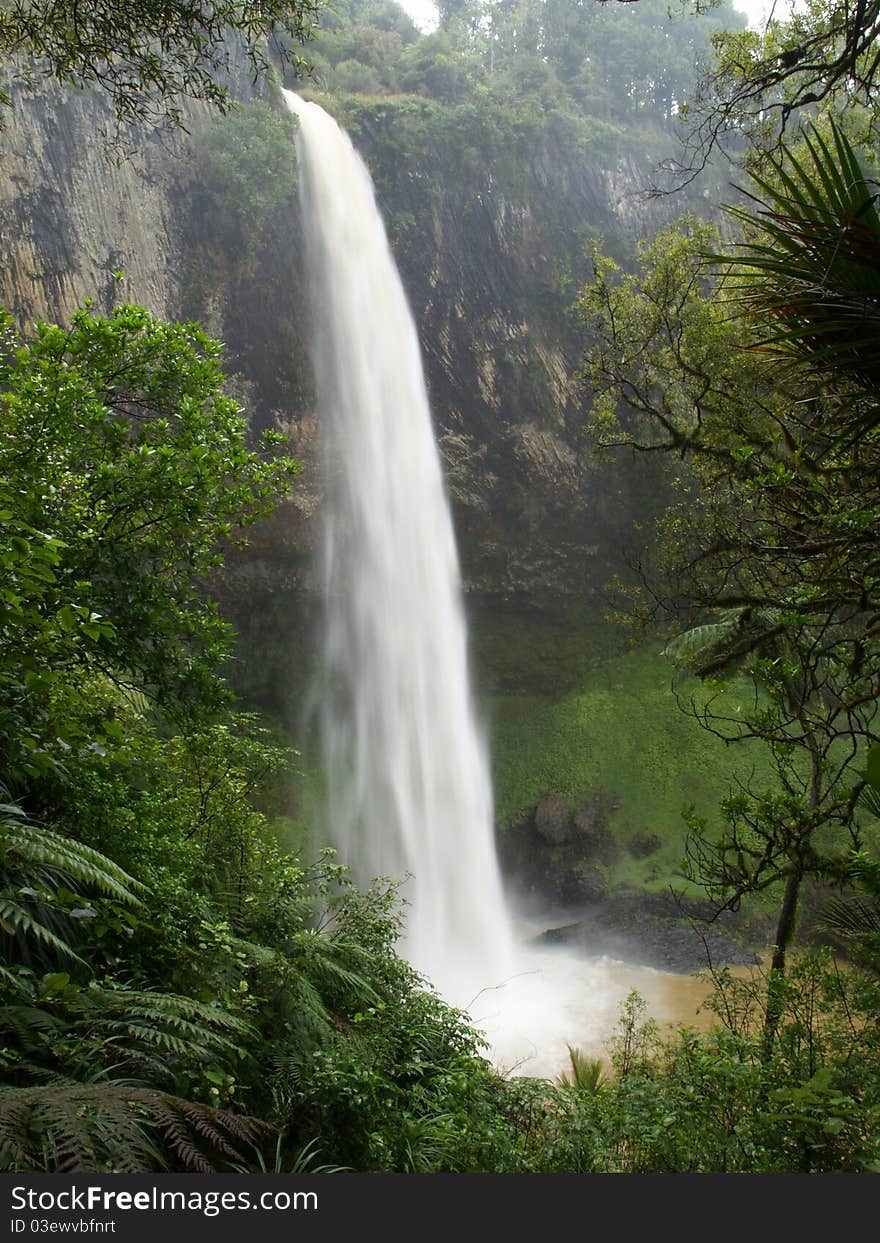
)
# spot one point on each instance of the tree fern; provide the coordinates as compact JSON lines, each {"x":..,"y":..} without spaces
{"x":722,"y":645}
{"x":692,"y":645}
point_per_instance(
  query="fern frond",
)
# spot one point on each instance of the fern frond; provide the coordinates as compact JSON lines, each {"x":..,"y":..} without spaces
{"x":331,"y":973}
{"x":721,"y":646}
{"x":22,"y":1021}
{"x":148,"y":1030}
{"x":20,"y":920}
{"x":79,"y":864}
{"x":687,"y":648}
{"x":61,"y":1127}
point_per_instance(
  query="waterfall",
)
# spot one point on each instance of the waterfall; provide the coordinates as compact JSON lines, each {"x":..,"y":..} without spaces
{"x":409,"y":792}
{"x":408,"y":789}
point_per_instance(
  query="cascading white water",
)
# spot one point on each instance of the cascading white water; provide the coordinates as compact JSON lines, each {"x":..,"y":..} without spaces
{"x":408,"y":782}
{"x":409,"y":793}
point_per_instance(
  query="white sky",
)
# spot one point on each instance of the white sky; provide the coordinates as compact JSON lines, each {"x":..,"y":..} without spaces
{"x":424,"y":14}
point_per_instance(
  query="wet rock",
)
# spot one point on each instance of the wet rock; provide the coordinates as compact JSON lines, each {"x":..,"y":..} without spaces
{"x":553,"y":819}
{"x":644,"y":844}
{"x":653,"y":930}
{"x":585,"y":884}
{"x":594,"y":836}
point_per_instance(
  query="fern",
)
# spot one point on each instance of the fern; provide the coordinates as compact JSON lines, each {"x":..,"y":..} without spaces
{"x":34,"y":863}
{"x":149,"y":1033}
{"x":108,"y":1128}
{"x":45,"y":852}
{"x":722,"y":645}
{"x":687,"y":648}
{"x":29,"y":923}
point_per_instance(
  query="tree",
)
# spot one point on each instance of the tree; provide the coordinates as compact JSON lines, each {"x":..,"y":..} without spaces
{"x":822,"y":56}
{"x":768,"y":566}
{"x":125,"y":471}
{"x":148,"y":55}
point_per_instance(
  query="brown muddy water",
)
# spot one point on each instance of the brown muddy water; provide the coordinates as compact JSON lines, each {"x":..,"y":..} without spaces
{"x":561,"y":1000}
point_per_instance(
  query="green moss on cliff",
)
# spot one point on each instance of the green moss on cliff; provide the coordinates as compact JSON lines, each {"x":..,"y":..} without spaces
{"x":621,"y":732}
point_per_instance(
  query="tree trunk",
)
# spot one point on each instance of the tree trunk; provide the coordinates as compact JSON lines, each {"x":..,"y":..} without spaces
{"x":785,"y":926}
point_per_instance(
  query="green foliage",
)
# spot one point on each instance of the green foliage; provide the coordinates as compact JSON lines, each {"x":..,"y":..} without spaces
{"x":766,"y":565}
{"x":125,"y":469}
{"x":145,"y":58}
{"x":160,"y":951}
{"x":665,"y":358}
{"x":714,"y":1102}
{"x":44,"y":875}
{"x":810,"y":271}
{"x":177,"y":993}
{"x":245,"y":166}
{"x":818,"y":57}
{"x":855,"y":917}
{"x":591,"y":78}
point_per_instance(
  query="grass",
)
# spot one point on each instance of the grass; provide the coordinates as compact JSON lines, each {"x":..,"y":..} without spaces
{"x":621,"y":732}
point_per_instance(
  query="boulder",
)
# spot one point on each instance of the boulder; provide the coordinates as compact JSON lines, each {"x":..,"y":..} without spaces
{"x":553,"y":819}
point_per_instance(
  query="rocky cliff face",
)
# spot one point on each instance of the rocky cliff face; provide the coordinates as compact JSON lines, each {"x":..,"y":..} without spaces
{"x":71,"y":215}
{"x":492,"y":260}
{"x":491,"y":264}
{"x":81,"y":200}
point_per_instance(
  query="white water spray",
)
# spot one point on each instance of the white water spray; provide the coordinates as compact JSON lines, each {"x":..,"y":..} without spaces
{"x":409,"y":793}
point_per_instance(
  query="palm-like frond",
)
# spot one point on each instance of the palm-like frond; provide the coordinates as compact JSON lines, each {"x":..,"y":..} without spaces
{"x":870,"y":800}
{"x":852,"y":917}
{"x":586,"y":1074}
{"x":857,"y":918}
{"x":811,"y":278}
{"x":304,"y":1161}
